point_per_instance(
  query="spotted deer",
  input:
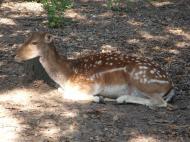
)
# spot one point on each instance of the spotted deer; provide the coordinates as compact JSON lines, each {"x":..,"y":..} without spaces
{"x":126,"y":79}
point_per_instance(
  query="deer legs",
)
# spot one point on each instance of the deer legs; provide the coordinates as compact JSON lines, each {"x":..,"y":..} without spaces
{"x":132,"y":97}
{"x":155,"y":101}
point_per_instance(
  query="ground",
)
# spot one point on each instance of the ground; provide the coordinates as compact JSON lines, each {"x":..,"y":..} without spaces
{"x":36,"y":112}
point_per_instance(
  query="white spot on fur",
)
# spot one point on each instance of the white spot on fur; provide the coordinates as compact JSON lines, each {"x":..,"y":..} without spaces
{"x":152,"y":72}
{"x":99,"y":62}
{"x":109,"y":71}
{"x":145,"y":80}
{"x":141,"y":72}
{"x":143,"y":67}
{"x":157,"y":81}
{"x":137,"y":61}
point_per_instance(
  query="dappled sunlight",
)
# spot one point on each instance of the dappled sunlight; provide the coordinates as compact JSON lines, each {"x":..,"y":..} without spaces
{"x":149,"y":36}
{"x":74,"y":93}
{"x":133,"y":41}
{"x":74,"y":15}
{"x":7,"y":21}
{"x":173,"y":51}
{"x":182,"y":44}
{"x":161,"y":3}
{"x":30,"y":7}
{"x":10,"y":127}
{"x":69,"y":114}
{"x":143,"y":138}
{"x":107,"y":14}
{"x":19,"y":96}
{"x":41,"y":108}
{"x":48,"y":128}
{"x":71,"y":130}
{"x":134,"y":23}
{"x":108,"y":48}
{"x":25,"y":97}
{"x":159,"y":49}
{"x":179,"y":32}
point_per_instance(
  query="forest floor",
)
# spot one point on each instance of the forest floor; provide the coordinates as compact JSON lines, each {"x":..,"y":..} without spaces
{"x":36,"y":112}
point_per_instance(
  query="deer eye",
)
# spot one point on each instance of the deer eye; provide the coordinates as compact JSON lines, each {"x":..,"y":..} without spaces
{"x":34,"y":42}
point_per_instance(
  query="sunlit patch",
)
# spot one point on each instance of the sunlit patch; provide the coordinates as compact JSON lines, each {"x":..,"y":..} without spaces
{"x":32,"y":7}
{"x":9,"y":126}
{"x":160,"y":3}
{"x":49,"y":129}
{"x":74,"y":93}
{"x":134,"y":23}
{"x":17,"y":96}
{"x":174,"y":51}
{"x":132,"y":41}
{"x":182,"y":44}
{"x":147,"y":35}
{"x":17,"y":107}
{"x":72,"y":129}
{"x":69,"y":114}
{"x":106,"y":14}
{"x":7,"y":21}
{"x":179,"y":31}
{"x":74,"y":15}
{"x":143,"y":139}
{"x":108,"y":48}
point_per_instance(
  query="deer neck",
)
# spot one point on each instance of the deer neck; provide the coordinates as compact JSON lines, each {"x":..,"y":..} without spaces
{"x":58,"y":68}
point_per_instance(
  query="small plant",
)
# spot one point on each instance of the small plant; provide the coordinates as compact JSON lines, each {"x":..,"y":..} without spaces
{"x":113,"y":3}
{"x":55,"y":10}
{"x":119,"y":5}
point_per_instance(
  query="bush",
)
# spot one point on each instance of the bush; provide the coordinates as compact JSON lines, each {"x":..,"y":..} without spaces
{"x":55,"y":10}
{"x":113,"y":3}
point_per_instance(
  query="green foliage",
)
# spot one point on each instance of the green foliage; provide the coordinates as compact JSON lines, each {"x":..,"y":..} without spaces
{"x":113,"y":3}
{"x":55,"y":10}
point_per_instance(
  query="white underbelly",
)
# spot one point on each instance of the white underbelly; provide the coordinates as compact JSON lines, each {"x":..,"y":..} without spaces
{"x":114,"y":91}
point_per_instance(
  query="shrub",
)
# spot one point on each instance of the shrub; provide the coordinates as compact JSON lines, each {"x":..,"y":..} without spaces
{"x":55,"y":10}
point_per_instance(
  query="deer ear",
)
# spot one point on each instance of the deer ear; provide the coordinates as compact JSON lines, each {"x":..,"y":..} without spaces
{"x":48,"y":38}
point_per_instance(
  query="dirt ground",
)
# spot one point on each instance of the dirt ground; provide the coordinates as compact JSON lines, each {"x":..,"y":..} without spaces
{"x":35,"y":112}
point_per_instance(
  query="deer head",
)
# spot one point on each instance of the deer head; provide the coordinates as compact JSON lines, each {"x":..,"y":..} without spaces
{"x":35,"y":46}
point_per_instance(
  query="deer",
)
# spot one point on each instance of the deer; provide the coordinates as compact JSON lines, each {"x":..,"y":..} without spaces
{"x":118,"y":76}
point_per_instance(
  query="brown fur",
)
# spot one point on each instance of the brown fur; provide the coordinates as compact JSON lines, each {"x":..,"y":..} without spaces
{"x":105,"y":69}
